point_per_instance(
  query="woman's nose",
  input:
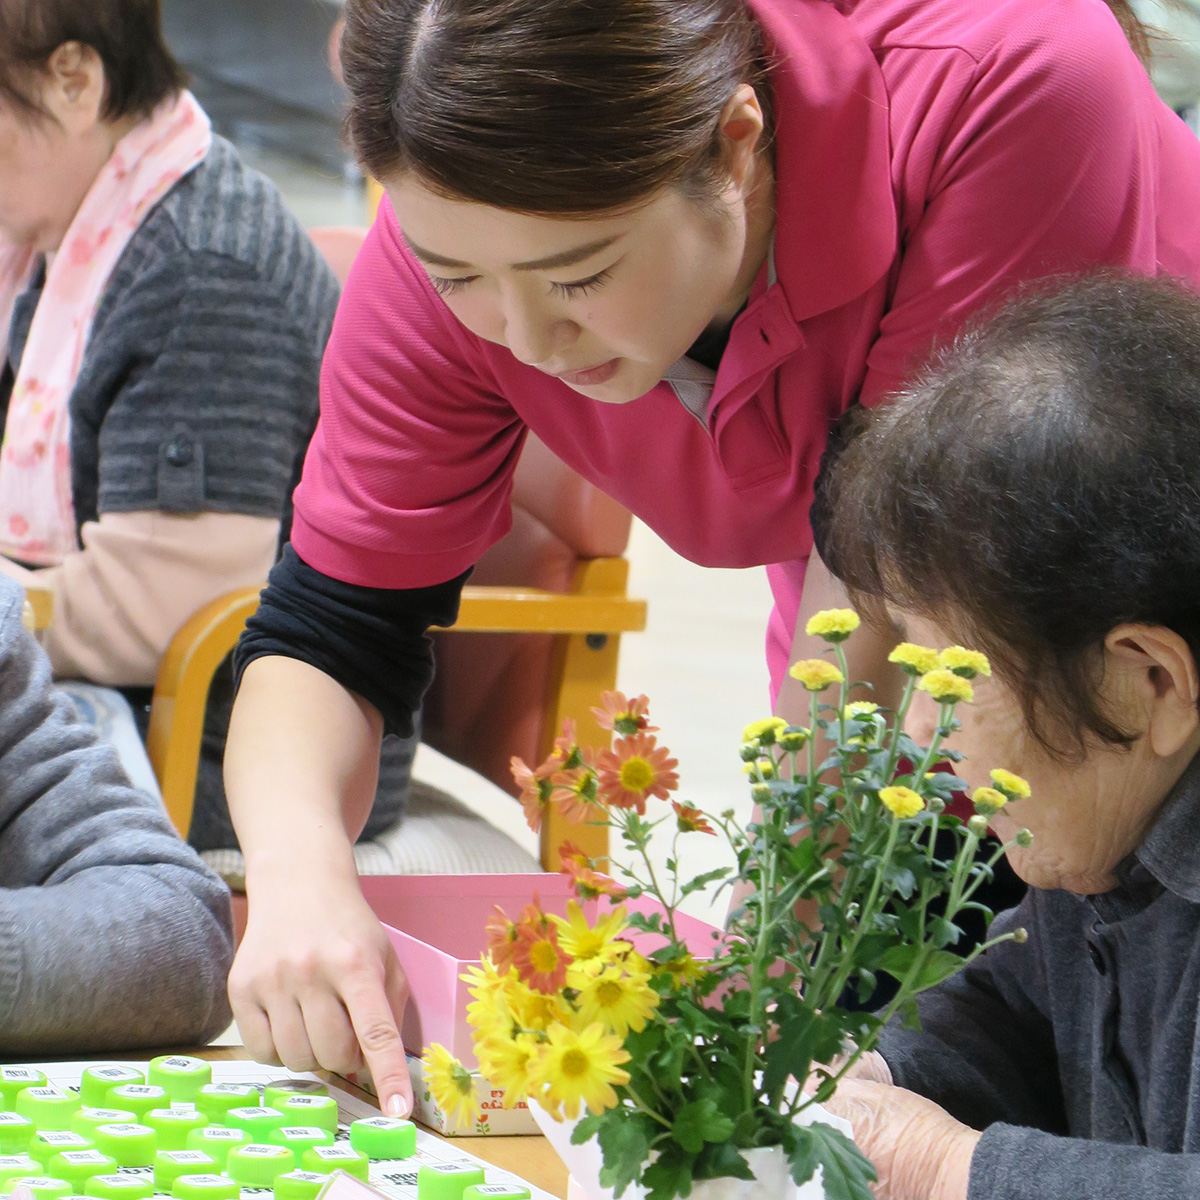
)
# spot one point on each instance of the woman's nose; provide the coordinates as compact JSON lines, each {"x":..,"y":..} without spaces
{"x":535,"y":335}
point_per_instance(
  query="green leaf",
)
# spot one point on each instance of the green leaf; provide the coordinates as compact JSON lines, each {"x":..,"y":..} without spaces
{"x":846,"y":1172}
{"x":670,"y":1175}
{"x":803,"y":1039}
{"x":624,"y":1146}
{"x":586,"y":1129}
{"x":721,"y":1160}
{"x":702,"y":881}
{"x":943,"y":932}
{"x":699,"y":1122}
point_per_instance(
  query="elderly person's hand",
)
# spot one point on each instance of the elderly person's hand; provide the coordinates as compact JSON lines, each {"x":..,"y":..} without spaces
{"x":919,"y":1150}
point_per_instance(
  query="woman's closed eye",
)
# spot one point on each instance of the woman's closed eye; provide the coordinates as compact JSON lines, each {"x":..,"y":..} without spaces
{"x":581,"y":287}
{"x":446,"y":287}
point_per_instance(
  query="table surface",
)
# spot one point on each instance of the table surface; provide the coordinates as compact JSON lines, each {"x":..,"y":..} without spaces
{"x":532,"y":1158}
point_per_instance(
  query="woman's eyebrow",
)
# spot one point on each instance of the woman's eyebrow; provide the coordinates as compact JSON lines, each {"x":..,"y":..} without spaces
{"x":565,"y":258}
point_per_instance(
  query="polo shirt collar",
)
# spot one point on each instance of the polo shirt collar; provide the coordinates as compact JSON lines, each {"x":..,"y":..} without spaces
{"x":1171,"y":850}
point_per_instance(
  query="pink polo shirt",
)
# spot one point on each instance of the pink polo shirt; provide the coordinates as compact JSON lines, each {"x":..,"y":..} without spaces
{"x":931,"y":154}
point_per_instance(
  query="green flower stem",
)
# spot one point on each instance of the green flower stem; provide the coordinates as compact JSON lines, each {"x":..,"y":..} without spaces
{"x":643,"y":1107}
{"x":758,"y":970}
{"x":898,"y":727}
{"x":945,"y":716}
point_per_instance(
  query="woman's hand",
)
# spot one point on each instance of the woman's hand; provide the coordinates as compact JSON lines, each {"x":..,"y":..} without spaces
{"x":919,"y":1150}
{"x":316,"y":983}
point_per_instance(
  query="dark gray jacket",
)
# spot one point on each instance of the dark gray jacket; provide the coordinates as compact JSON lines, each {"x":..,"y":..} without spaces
{"x":113,"y":933}
{"x":1078,"y":1054}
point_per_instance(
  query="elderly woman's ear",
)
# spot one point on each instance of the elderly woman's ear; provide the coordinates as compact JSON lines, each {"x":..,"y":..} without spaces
{"x":1151,"y":674}
{"x":73,"y":87}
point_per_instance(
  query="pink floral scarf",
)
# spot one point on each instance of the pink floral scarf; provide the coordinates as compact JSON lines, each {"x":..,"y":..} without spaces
{"x":37,"y":514}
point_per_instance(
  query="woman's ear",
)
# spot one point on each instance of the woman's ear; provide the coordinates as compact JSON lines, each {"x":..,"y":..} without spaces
{"x":741,"y":129}
{"x":74,"y":87}
{"x":1158,"y":678}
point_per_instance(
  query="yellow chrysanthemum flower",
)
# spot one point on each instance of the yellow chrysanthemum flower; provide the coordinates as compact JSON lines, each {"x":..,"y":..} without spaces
{"x":832,"y":624}
{"x":946,"y":687}
{"x":761,"y":768}
{"x":988,"y":800}
{"x":901,"y":801}
{"x":535,"y":1010}
{"x":1013,"y":786}
{"x":964,"y":662}
{"x":860,"y":708}
{"x":684,"y":971}
{"x":450,"y":1084}
{"x":580,"y":1068}
{"x":492,"y":1010}
{"x":816,"y":674}
{"x":913,"y":659}
{"x":618,"y":1001}
{"x":765,"y":731}
{"x":505,"y":1063}
{"x":586,"y":943}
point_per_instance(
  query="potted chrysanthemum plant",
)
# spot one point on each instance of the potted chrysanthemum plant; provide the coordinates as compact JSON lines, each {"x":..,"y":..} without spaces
{"x":697,"y":1067}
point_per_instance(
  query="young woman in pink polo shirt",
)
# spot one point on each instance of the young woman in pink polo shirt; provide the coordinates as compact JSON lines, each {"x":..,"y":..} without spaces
{"x":678,"y":239}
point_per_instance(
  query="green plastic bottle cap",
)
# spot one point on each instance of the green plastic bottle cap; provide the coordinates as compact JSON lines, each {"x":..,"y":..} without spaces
{"x":257,"y":1122}
{"x":215,"y":1100}
{"x":16,"y":1079}
{"x":279,"y":1090}
{"x":87,"y":1119}
{"x":298,"y":1138}
{"x":47,"y":1107}
{"x":48,"y":1142}
{"x":16,"y":1164}
{"x":324,"y":1160}
{"x":96,"y":1082}
{"x":138,"y":1098}
{"x":205,"y":1187}
{"x":299,"y":1185}
{"x":78,"y":1166}
{"x":321,"y":1111}
{"x":41,"y":1186}
{"x":173,"y":1125}
{"x":217,"y":1141}
{"x":258,"y":1165}
{"x":131,"y":1144}
{"x":384,"y":1137}
{"x":16,"y":1133}
{"x":169,"y":1165}
{"x":496,"y":1191}
{"x":180,"y":1074}
{"x":447,"y":1181}
{"x":119,"y":1187}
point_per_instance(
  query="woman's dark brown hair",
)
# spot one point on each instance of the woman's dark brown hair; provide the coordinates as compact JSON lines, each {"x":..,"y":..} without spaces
{"x":548,"y":106}
{"x":126,"y":34}
{"x":1037,"y":487}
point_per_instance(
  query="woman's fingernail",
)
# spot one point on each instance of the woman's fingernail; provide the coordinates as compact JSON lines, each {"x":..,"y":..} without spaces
{"x":396,"y":1107}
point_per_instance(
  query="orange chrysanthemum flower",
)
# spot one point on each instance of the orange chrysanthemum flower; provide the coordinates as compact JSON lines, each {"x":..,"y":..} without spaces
{"x":574,"y":792}
{"x":541,"y":963}
{"x":501,"y":939}
{"x":588,"y":883}
{"x":622,"y":716}
{"x":691,"y":820}
{"x":635,"y":769}
{"x":535,"y":790}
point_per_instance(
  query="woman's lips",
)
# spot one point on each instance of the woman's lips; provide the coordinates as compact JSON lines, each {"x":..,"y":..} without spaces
{"x":592,"y":375}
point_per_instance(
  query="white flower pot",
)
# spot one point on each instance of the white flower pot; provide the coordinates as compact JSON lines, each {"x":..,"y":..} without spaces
{"x":772,"y":1180}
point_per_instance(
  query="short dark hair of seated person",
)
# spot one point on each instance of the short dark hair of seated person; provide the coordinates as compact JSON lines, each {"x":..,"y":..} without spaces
{"x":138,"y":68}
{"x":1035,"y":495}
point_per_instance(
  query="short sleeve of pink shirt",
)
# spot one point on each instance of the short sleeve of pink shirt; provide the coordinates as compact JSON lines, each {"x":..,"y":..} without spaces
{"x":931,"y":156}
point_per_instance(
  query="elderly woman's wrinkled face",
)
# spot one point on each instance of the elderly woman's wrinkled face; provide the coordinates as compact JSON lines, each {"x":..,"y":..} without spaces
{"x":1085,"y":816}
{"x":49,"y":159}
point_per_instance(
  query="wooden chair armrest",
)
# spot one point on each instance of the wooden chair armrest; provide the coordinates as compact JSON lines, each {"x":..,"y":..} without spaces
{"x":41,"y":606}
{"x":531,"y":610}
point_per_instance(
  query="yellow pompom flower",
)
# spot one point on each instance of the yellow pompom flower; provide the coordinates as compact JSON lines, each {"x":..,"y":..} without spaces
{"x":964,"y":662}
{"x":590,"y":943}
{"x":580,"y":1068}
{"x":761,"y":768}
{"x":1013,"y":786}
{"x":913,"y":659}
{"x":901,"y":801}
{"x":946,"y":687}
{"x":816,"y":674}
{"x":832,"y":624}
{"x":450,"y":1084}
{"x":618,"y":1001}
{"x":988,"y":800}
{"x":505,"y":1062}
{"x":765,"y":731}
{"x":860,"y":708}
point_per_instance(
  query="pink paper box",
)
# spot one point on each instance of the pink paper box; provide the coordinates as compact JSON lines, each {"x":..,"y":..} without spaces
{"x":437,"y":924}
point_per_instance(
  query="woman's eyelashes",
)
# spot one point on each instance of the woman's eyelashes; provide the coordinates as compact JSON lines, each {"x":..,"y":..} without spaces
{"x":569,"y":291}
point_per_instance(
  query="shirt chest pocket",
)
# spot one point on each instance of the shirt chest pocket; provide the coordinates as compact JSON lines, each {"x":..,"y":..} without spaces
{"x":749,"y":445}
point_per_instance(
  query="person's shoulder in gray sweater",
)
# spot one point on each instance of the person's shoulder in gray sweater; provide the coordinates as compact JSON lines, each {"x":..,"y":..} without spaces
{"x":113,"y":933}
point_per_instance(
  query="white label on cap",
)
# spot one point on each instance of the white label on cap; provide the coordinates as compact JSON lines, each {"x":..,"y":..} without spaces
{"x":254,"y":1112}
{"x":383,"y":1122}
{"x":83,"y":1157}
{"x":61,"y":1137}
{"x":228,"y":1089}
{"x":121,"y":1128}
{"x":454,"y":1168}
{"x":14,"y":1074}
{"x":186,"y":1156}
{"x":330,"y":1153}
{"x":7,"y":1118}
{"x":218,"y":1133}
{"x":181,"y":1063}
{"x":253,"y":1151}
{"x":105,"y":1114}
{"x":497,"y":1189}
{"x":303,"y":1131}
{"x":142,"y":1089}
{"x":116,"y":1073}
{"x":46,"y":1093}
{"x":307,"y":1102}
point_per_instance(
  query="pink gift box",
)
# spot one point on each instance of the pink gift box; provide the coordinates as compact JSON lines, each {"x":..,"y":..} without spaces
{"x":437,"y":924}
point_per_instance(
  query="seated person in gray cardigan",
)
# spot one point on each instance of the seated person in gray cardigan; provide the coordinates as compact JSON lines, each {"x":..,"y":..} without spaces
{"x":113,"y":933}
{"x":1035,"y":495}
{"x":162,"y":321}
